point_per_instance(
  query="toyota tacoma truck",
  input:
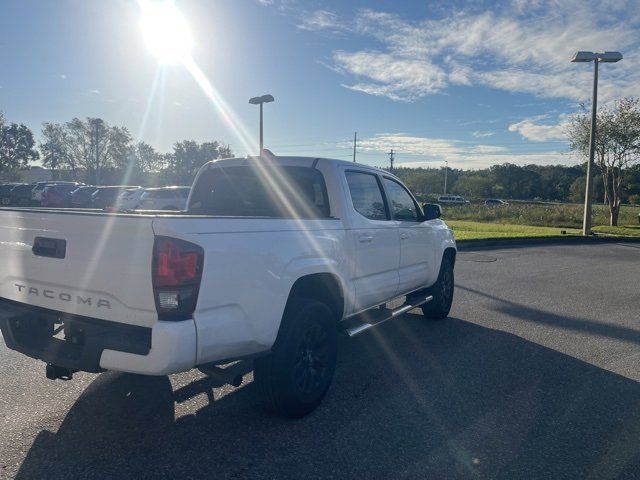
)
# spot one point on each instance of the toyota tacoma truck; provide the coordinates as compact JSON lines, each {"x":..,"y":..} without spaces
{"x":272,"y":259}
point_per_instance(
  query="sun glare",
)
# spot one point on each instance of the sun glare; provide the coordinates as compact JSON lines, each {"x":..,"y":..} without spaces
{"x":165,"y":31}
{"x":168,"y":37}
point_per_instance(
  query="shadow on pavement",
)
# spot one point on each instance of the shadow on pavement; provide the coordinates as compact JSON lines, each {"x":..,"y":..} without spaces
{"x":412,"y":399}
{"x":535,"y":315}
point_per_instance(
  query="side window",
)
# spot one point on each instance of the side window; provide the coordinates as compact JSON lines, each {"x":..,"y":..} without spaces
{"x":400,"y":202}
{"x":366,"y":195}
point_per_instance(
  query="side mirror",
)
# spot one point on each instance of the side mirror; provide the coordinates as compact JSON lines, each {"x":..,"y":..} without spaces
{"x":431,"y":211}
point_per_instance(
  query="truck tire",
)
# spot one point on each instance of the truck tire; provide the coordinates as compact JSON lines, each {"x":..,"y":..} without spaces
{"x":442,"y":291}
{"x":294,"y":378}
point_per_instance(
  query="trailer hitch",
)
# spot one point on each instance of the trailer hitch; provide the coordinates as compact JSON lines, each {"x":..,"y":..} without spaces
{"x":54,"y":372}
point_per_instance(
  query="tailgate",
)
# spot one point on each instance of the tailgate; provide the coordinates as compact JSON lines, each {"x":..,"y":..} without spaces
{"x":88,"y":264}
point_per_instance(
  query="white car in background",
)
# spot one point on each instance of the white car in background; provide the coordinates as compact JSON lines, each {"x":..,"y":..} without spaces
{"x":452,"y":200}
{"x":164,"y":198}
{"x":130,"y":199}
{"x":36,"y":193}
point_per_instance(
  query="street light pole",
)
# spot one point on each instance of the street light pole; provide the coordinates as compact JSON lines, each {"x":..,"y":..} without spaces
{"x":355,"y":140}
{"x":261,"y":101}
{"x":446,"y":170}
{"x":596,"y":58}
{"x":261,"y":130}
{"x":586,"y":221}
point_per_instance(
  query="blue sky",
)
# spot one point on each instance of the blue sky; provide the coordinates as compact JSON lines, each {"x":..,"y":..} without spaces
{"x":474,"y":83}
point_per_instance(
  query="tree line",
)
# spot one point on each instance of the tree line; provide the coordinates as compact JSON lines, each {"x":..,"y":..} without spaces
{"x":94,"y":152}
{"x":616,"y":170}
{"x":557,"y":183}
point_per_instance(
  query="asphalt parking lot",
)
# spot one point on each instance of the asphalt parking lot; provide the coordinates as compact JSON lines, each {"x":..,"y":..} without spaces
{"x":535,"y":375}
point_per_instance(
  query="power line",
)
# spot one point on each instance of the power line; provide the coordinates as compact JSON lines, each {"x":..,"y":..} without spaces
{"x":391,"y":160}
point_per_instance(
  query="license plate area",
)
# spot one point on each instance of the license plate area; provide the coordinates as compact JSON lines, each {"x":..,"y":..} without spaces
{"x":65,"y":340}
{"x":49,"y":247}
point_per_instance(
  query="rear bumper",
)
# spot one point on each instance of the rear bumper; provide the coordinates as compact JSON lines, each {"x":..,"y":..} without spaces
{"x":93,"y":345}
{"x":173,"y":349}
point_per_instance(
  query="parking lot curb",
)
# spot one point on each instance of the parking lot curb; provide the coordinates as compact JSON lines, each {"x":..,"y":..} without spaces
{"x":534,"y":241}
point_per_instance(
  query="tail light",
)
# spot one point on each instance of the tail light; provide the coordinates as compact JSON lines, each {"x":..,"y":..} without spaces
{"x":176,"y":273}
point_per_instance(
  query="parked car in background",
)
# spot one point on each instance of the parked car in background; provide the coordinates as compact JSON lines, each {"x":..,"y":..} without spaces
{"x":164,"y":198}
{"x":57,"y":195}
{"x":20,"y":195}
{"x":130,"y":199}
{"x":81,"y":196}
{"x":5,"y":189}
{"x":106,"y":197}
{"x":452,"y":200}
{"x":495,"y":202}
{"x":36,"y":193}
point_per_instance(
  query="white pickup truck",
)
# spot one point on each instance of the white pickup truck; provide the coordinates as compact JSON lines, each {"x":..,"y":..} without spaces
{"x":272,"y":258}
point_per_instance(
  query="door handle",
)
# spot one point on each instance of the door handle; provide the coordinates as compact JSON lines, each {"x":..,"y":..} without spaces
{"x":365,"y":239}
{"x":404,"y":236}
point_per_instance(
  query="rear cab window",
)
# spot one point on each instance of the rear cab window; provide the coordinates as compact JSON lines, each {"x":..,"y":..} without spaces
{"x":267,"y":191}
{"x":366,"y":195}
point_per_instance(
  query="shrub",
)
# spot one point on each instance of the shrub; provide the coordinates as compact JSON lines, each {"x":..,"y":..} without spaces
{"x":541,"y":214}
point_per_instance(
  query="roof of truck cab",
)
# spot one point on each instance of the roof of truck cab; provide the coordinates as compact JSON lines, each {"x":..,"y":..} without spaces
{"x":292,"y":161}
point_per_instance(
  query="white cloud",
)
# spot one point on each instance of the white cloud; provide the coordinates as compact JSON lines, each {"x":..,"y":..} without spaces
{"x":530,"y":129}
{"x":94,"y":91}
{"x":320,"y":20}
{"x":485,"y":161}
{"x":395,"y":77}
{"x":437,"y":148}
{"x":517,"y":50}
{"x":479,"y":134}
{"x":415,"y":151}
{"x":63,"y":76}
{"x":486,"y":149}
{"x":281,"y":5}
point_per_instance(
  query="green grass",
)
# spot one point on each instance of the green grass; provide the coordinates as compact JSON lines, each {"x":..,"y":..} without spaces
{"x":537,"y":214}
{"x":628,"y":230}
{"x":464,"y":230}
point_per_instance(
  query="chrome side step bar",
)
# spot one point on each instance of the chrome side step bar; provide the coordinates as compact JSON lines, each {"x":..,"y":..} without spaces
{"x":374,"y":317}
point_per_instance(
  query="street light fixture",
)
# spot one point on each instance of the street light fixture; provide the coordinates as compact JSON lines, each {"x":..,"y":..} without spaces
{"x":260,"y":101}
{"x":596,"y":58}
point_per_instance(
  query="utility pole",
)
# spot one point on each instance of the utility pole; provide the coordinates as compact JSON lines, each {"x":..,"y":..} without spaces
{"x":446,"y":170}
{"x":391,"y":160}
{"x":355,"y":140}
